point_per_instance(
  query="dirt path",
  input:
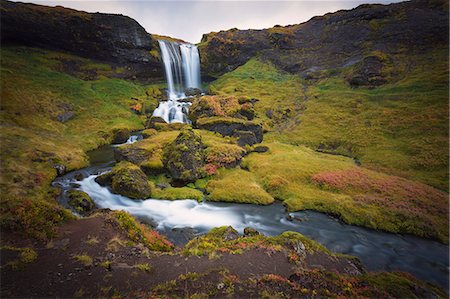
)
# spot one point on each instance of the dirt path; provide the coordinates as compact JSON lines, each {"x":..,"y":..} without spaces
{"x":57,"y":273}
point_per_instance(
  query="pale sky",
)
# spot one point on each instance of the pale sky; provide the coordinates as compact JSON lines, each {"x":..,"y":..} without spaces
{"x":189,"y":20}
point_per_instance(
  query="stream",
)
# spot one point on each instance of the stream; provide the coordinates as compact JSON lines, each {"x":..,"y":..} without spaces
{"x":181,"y":220}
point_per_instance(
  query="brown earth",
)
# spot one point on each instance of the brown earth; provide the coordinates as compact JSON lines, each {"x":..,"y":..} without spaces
{"x":56,"y":273}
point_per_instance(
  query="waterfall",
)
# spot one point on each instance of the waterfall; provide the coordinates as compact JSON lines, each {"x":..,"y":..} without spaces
{"x":182,"y":68}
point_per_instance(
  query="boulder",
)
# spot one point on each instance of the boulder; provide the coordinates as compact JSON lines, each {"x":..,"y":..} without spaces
{"x":80,"y":201}
{"x":128,"y":180}
{"x":120,"y":136}
{"x":228,"y":126}
{"x":184,"y":158}
{"x":260,"y":149}
{"x":104,"y":179}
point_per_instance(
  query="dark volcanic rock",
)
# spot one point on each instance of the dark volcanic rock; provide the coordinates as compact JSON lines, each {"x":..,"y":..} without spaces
{"x":106,"y":37}
{"x":184,"y":158}
{"x":245,"y":138}
{"x":229,"y":126}
{"x":333,"y":40}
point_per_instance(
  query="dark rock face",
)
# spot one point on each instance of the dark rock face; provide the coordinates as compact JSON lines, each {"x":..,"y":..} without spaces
{"x":230,"y":127}
{"x":184,"y":158}
{"x":368,"y":72}
{"x":245,"y":138}
{"x":80,"y":201}
{"x":333,"y":40}
{"x":106,"y":37}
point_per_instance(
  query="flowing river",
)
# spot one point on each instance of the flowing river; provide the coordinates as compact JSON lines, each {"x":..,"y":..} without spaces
{"x":181,"y":220}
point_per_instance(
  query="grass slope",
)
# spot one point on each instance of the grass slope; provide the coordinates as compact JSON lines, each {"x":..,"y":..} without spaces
{"x":35,"y":89}
{"x":400,"y":128}
{"x":398,"y":132}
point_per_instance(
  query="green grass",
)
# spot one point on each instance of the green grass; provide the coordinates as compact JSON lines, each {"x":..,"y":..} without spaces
{"x":171,"y":193}
{"x":305,"y":179}
{"x":34,"y":90}
{"x":400,"y":128}
{"x":236,"y":185}
{"x":84,"y":259}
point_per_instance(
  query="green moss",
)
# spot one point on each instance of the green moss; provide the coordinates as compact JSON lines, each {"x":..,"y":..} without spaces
{"x":171,"y":193}
{"x":140,"y":233}
{"x":245,"y":188}
{"x":84,"y":259}
{"x":144,"y":267}
{"x":305,"y":179}
{"x":34,"y":92}
{"x":129,"y":180}
{"x":80,"y":201}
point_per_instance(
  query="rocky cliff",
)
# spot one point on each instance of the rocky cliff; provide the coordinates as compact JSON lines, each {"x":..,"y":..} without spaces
{"x":116,"y":39}
{"x":333,"y":40}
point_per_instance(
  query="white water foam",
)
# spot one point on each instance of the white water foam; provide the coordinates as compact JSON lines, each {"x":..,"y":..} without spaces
{"x":168,"y":214}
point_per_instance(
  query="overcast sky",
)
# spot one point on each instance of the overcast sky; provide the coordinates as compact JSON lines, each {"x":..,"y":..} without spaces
{"x":188,"y":20}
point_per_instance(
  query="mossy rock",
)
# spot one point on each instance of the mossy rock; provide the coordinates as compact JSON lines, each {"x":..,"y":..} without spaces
{"x":80,"y":201}
{"x":184,"y":158}
{"x":128,"y":180}
{"x":121,"y":136}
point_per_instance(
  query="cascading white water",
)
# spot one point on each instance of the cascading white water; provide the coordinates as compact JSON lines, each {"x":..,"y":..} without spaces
{"x":182,"y":68}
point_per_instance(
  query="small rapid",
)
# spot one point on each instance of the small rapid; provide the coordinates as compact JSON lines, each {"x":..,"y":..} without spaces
{"x":181,"y":220}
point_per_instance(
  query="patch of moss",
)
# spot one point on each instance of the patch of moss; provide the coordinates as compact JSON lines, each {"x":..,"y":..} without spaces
{"x":129,"y":180}
{"x":246,"y":188}
{"x":144,"y":267}
{"x":171,"y":193}
{"x":84,"y":259}
{"x":138,"y":232}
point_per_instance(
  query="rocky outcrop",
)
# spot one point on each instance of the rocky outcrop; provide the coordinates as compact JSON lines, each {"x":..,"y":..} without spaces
{"x":80,"y":201}
{"x":242,"y":129}
{"x":334,"y":40}
{"x":184,"y":158}
{"x":116,"y":39}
